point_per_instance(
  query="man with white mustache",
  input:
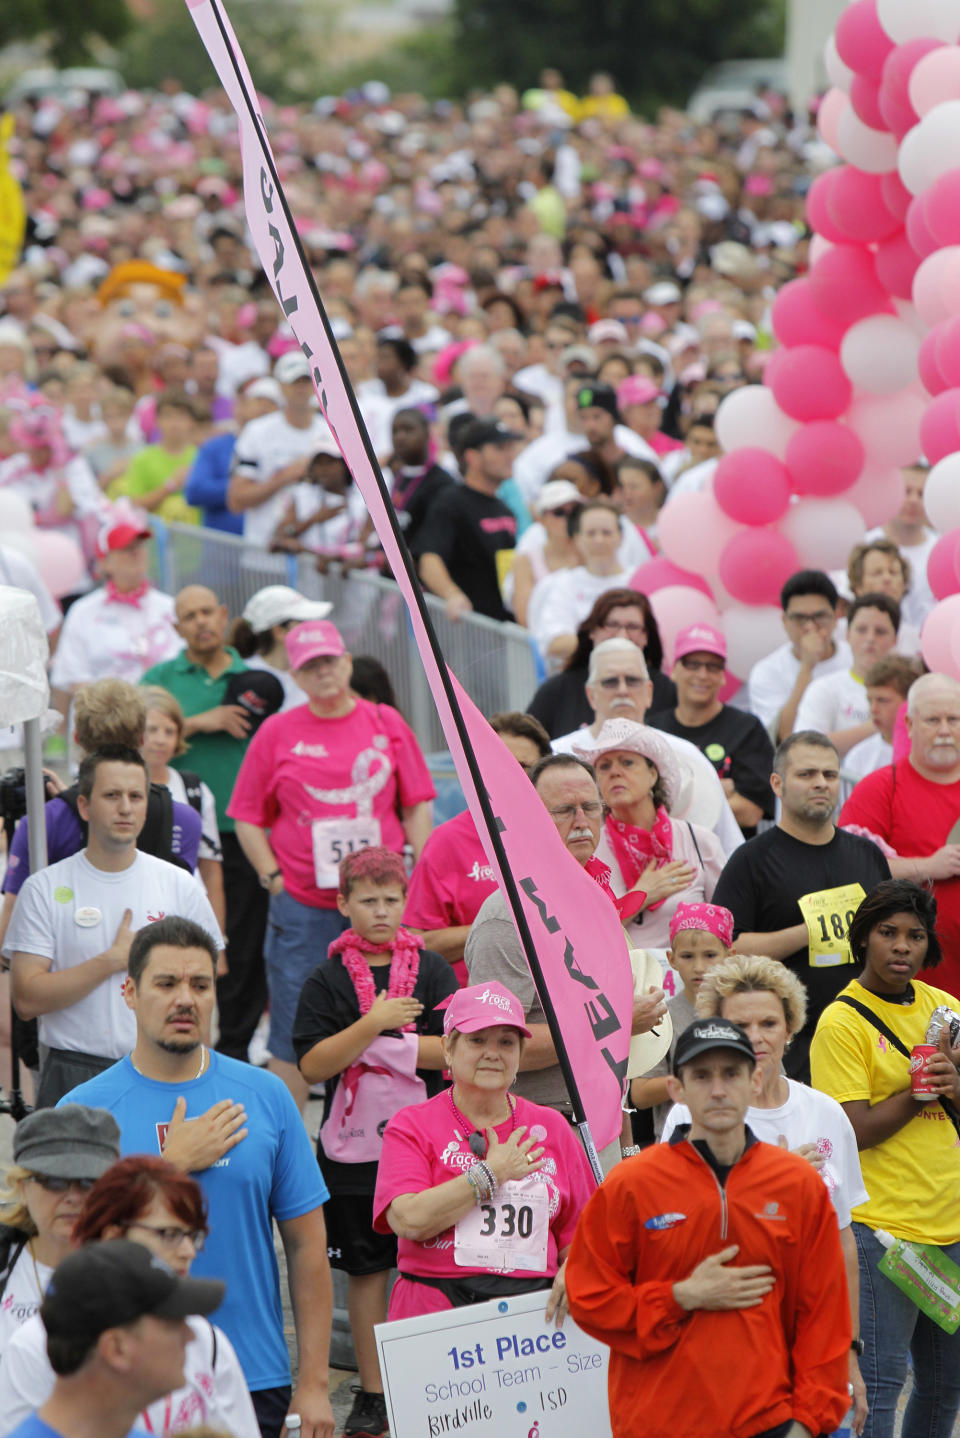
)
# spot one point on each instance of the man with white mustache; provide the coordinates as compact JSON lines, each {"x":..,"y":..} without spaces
{"x":619,"y":687}
{"x":914,"y":805}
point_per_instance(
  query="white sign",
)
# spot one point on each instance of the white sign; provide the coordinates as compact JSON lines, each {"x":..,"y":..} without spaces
{"x":494,"y":1367}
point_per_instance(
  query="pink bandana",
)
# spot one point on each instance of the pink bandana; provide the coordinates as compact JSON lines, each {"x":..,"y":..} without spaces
{"x":131,"y":597}
{"x":636,"y":848}
{"x":404,"y":966}
{"x":711,"y":918}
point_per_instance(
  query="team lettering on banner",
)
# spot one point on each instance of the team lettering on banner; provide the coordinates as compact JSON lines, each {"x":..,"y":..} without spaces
{"x":587,"y":981}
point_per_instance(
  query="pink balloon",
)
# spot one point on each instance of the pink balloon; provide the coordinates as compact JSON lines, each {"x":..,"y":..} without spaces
{"x":844,"y":285}
{"x":936,"y":637}
{"x":861,"y":41}
{"x":819,"y":214}
{"x":947,"y":349}
{"x":659,"y":572}
{"x":678,"y":605}
{"x":797,"y":321}
{"x":692,"y":530}
{"x":935,"y":78}
{"x":59,"y":561}
{"x":877,"y":494}
{"x":751,"y":486}
{"x":940,"y":426}
{"x":865,"y":99}
{"x":918,"y":229}
{"x":755,"y":565}
{"x":900,"y":64}
{"x":824,"y":458}
{"x":834,"y":104}
{"x":942,"y":561}
{"x":898,"y":117}
{"x":888,"y":426}
{"x":942,"y":208}
{"x":936,"y":286}
{"x":896,"y":196}
{"x":896,"y":262}
{"x":809,"y":383}
{"x":928,"y":363}
{"x":856,"y":205}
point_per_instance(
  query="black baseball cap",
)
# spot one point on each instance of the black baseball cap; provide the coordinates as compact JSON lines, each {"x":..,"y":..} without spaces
{"x":705,"y":1034}
{"x":486,"y":431}
{"x":598,"y":396}
{"x":258,"y":692}
{"x":112,"y":1284}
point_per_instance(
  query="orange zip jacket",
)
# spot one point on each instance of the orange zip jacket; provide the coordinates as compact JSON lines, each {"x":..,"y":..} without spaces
{"x":714,"y":1374}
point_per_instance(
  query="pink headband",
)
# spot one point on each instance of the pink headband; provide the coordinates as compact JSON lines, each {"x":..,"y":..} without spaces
{"x":711,"y":918}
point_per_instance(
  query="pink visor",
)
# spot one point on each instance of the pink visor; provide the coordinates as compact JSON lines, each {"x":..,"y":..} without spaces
{"x":482,"y":1006}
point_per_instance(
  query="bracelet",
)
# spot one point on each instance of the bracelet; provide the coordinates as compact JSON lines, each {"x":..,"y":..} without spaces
{"x":474,"y":1183}
{"x":481,"y":1181}
{"x":629,"y":1150}
{"x":489,"y":1175}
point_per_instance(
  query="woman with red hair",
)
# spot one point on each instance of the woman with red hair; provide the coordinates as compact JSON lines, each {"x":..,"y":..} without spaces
{"x":151,"y":1202}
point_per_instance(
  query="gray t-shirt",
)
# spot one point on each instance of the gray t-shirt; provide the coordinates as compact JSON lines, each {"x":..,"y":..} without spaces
{"x":493,"y":953}
{"x":682,"y":1013}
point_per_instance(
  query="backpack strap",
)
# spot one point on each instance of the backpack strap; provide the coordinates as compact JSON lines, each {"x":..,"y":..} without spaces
{"x":192,"y":784}
{"x":947,"y":1104}
{"x":12,"y":1243}
{"x":695,"y":844}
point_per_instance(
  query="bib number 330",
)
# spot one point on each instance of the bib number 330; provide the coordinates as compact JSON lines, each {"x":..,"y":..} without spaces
{"x":509,"y":1232}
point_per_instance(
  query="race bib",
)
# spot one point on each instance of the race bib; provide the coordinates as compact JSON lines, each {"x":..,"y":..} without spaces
{"x":333,"y":840}
{"x":827,"y":915}
{"x":511,"y":1231}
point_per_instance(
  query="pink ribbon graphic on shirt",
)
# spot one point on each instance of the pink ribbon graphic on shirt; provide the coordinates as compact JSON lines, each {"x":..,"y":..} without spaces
{"x":370,"y":773}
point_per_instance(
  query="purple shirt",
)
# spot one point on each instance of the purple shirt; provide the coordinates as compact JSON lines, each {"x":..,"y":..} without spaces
{"x":65,"y":836}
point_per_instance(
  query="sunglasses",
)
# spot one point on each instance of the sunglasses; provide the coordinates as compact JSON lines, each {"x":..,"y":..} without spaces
{"x":564,"y":510}
{"x":50,"y":1184}
{"x":477,"y":1144}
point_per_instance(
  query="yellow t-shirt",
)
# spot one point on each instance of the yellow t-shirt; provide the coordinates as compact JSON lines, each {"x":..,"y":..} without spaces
{"x":913,"y":1178}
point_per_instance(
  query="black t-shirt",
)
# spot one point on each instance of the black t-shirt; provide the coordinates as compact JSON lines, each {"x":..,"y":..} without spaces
{"x":466,"y":529}
{"x":737,"y":746}
{"x":414,"y":496}
{"x":561,"y":701}
{"x":328,"y":1005}
{"x":760,"y":885}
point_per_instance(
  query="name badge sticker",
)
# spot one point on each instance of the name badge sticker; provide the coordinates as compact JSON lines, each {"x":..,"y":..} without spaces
{"x":87,"y":917}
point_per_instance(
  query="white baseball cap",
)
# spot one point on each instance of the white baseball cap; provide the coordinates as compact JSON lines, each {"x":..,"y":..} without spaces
{"x":278,"y":604}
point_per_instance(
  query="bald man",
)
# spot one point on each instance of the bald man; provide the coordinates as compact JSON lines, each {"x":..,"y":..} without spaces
{"x":218,"y":733}
{"x":914,"y":804}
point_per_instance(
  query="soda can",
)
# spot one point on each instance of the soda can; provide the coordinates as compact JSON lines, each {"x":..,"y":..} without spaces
{"x":919,"y":1083}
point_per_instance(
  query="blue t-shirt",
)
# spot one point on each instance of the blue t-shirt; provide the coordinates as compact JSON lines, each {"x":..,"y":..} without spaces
{"x":34,"y":1427}
{"x":272,"y":1173}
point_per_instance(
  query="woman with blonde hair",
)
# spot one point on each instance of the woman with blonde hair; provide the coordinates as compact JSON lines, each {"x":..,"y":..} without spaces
{"x":163,"y":740}
{"x":769,"y":1002}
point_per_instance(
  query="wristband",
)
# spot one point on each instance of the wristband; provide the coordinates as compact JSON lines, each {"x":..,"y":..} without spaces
{"x":267,"y":879}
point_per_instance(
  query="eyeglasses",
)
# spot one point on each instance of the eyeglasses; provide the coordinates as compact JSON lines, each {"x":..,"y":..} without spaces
{"x":591,"y":810}
{"x":712,"y":666}
{"x":615,"y":628}
{"x":821,"y":618}
{"x":50,"y":1184}
{"x":171,"y":1237}
{"x":632,"y":681}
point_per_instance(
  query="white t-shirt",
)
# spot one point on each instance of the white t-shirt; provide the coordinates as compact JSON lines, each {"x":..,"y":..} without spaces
{"x":772,"y":679}
{"x":264,"y":446}
{"x":71,"y":912}
{"x":210,"y":834}
{"x":22,"y":1295}
{"x":808,"y":1116}
{"x":292,"y":693}
{"x":214,"y":1395}
{"x":561,"y":600}
{"x":536,"y":460}
{"x":379,"y":408}
{"x":919,"y":599}
{"x":868,"y":755}
{"x":834,"y":701}
{"x":18,"y":571}
{"x":108,"y":639}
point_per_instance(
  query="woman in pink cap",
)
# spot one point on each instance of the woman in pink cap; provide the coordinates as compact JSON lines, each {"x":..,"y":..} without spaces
{"x":482,"y":1188}
{"x":318,"y":782}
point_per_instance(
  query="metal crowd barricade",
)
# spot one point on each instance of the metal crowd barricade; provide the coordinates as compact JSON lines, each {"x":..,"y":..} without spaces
{"x":497,"y":663}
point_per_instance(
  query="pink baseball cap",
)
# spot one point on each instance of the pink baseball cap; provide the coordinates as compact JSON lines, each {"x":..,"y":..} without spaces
{"x":700,"y":639}
{"x":711,"y":918}
{"x":482,"y":1006}
{"x":636,"y":389}
{"x":313,"y":639}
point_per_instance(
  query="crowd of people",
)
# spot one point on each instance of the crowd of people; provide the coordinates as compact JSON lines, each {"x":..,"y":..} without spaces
{"x":540,"y":306}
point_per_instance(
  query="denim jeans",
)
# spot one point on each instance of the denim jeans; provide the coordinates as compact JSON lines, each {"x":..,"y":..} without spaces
{"x":297,"y":939}
{"x":891,"y":1326}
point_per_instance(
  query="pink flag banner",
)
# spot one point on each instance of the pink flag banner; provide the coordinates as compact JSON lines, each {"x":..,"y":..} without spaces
{"x":570,"y":931}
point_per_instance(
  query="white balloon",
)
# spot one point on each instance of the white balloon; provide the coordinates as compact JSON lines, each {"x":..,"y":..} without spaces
{"x":16,"y":516}
{"x":919,"y":19}
{"x":929,"y":150}
{"x":823,"y":531}
{"x":752,"y":633}
{"x":819,"y":245}
{"x":888,"y":426}
{"x":751,"y":417}
{"x":838,"y":73}
{"x":941,"y":494}
{"x":879,"y":354}
{"x":872,"y":150}
{"x":22,"y":541}
{"x":908,"y":313}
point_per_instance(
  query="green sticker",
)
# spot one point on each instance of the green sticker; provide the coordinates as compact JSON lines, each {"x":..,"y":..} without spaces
{"x":715,"y":752}
{"x":62,"y":894}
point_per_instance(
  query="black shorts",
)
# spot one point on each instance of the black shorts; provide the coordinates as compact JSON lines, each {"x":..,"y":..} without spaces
{"x":352,"y":1244}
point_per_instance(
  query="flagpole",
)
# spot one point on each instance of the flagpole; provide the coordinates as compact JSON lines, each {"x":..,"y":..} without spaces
{"x":512,"y":894}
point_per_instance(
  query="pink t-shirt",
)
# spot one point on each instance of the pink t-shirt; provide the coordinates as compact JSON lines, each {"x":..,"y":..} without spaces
{"x":421,"y":1149}
{"x":323,"y":786}
{"x":663,"y":443}
{"x":450,"y":881}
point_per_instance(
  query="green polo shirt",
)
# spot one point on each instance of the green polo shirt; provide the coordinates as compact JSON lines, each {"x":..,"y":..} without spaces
{"x":215,"y":757}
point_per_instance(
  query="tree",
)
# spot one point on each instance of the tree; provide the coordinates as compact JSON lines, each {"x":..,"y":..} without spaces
{"x":71,"y":27}
{"x":657,"y":50}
